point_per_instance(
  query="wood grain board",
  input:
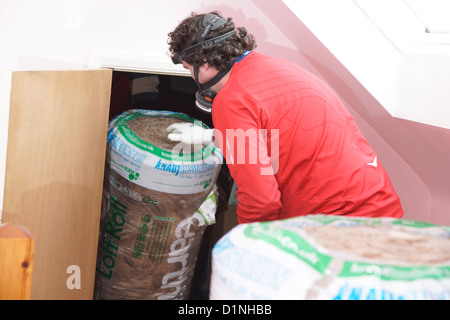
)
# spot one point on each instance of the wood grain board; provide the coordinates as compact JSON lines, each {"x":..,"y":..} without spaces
{"x":54,"y":173}
{"x":16,"y":262}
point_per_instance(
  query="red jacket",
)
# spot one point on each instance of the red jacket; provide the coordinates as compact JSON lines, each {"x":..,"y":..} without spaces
{"x":293,"y":148}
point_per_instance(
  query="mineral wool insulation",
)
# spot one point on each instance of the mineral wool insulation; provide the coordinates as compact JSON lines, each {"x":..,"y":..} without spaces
{"x":159,"y":197}
{"x":326,"y":257}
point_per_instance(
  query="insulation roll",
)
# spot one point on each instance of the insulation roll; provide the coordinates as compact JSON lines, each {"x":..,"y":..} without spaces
{"x":324,"y":257}
{"x":159,"y":196}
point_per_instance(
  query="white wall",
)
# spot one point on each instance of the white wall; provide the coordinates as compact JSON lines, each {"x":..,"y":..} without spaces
{"x":55,"y":34}
{"x":5,"y":87}
{"x":49,"y":34}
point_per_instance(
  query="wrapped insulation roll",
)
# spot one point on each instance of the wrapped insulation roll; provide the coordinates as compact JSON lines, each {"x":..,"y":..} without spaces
{"x":159,"y":197}
{"x":324,"y":257}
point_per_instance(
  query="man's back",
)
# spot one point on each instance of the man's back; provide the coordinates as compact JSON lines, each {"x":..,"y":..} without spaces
{"x":324,"y":165}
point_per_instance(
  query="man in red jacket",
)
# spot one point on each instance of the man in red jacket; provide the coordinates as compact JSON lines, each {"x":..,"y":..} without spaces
{"x":291,"y":145}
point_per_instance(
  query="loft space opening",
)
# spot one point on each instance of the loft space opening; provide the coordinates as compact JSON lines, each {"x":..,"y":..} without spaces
{"x":151,"y":91}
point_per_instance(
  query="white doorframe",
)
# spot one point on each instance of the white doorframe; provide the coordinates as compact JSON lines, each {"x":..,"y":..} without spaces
{"x":138,"y":63}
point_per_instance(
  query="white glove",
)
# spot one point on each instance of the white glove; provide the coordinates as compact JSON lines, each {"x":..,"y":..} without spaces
{"x":190,"y":133}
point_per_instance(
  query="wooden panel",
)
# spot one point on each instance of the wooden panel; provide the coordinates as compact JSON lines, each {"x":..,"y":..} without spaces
{"x":54,"y":174}
{"x":16,"y":262}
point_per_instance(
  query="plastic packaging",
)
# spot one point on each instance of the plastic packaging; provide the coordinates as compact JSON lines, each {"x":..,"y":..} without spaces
{"x":158,"y":199}
{"x":324,"y":257}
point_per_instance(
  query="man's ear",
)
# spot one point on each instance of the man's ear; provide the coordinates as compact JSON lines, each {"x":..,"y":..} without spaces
{"x":205,"y":66}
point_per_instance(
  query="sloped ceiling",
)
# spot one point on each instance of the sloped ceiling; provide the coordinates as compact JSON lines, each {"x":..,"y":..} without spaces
{"x":384,"y":45}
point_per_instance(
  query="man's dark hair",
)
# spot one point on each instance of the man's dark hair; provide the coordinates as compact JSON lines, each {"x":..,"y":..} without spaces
{"x":220,"y":56}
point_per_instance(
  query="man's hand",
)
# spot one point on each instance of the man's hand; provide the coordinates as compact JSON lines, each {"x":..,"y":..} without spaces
{"x":189,"y":133}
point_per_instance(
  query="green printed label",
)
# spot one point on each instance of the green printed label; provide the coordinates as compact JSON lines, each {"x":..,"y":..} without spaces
{"x":208,"y":209}
{"x":388,"y":272}
{"x":291,"y":243}
{"x":152,"y":236}
{"x":332,"y":219}
{"x":413,"y":223}
{"x":113,"y":228}
{"x":121,"y":120}
{"x":124,"y":119}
